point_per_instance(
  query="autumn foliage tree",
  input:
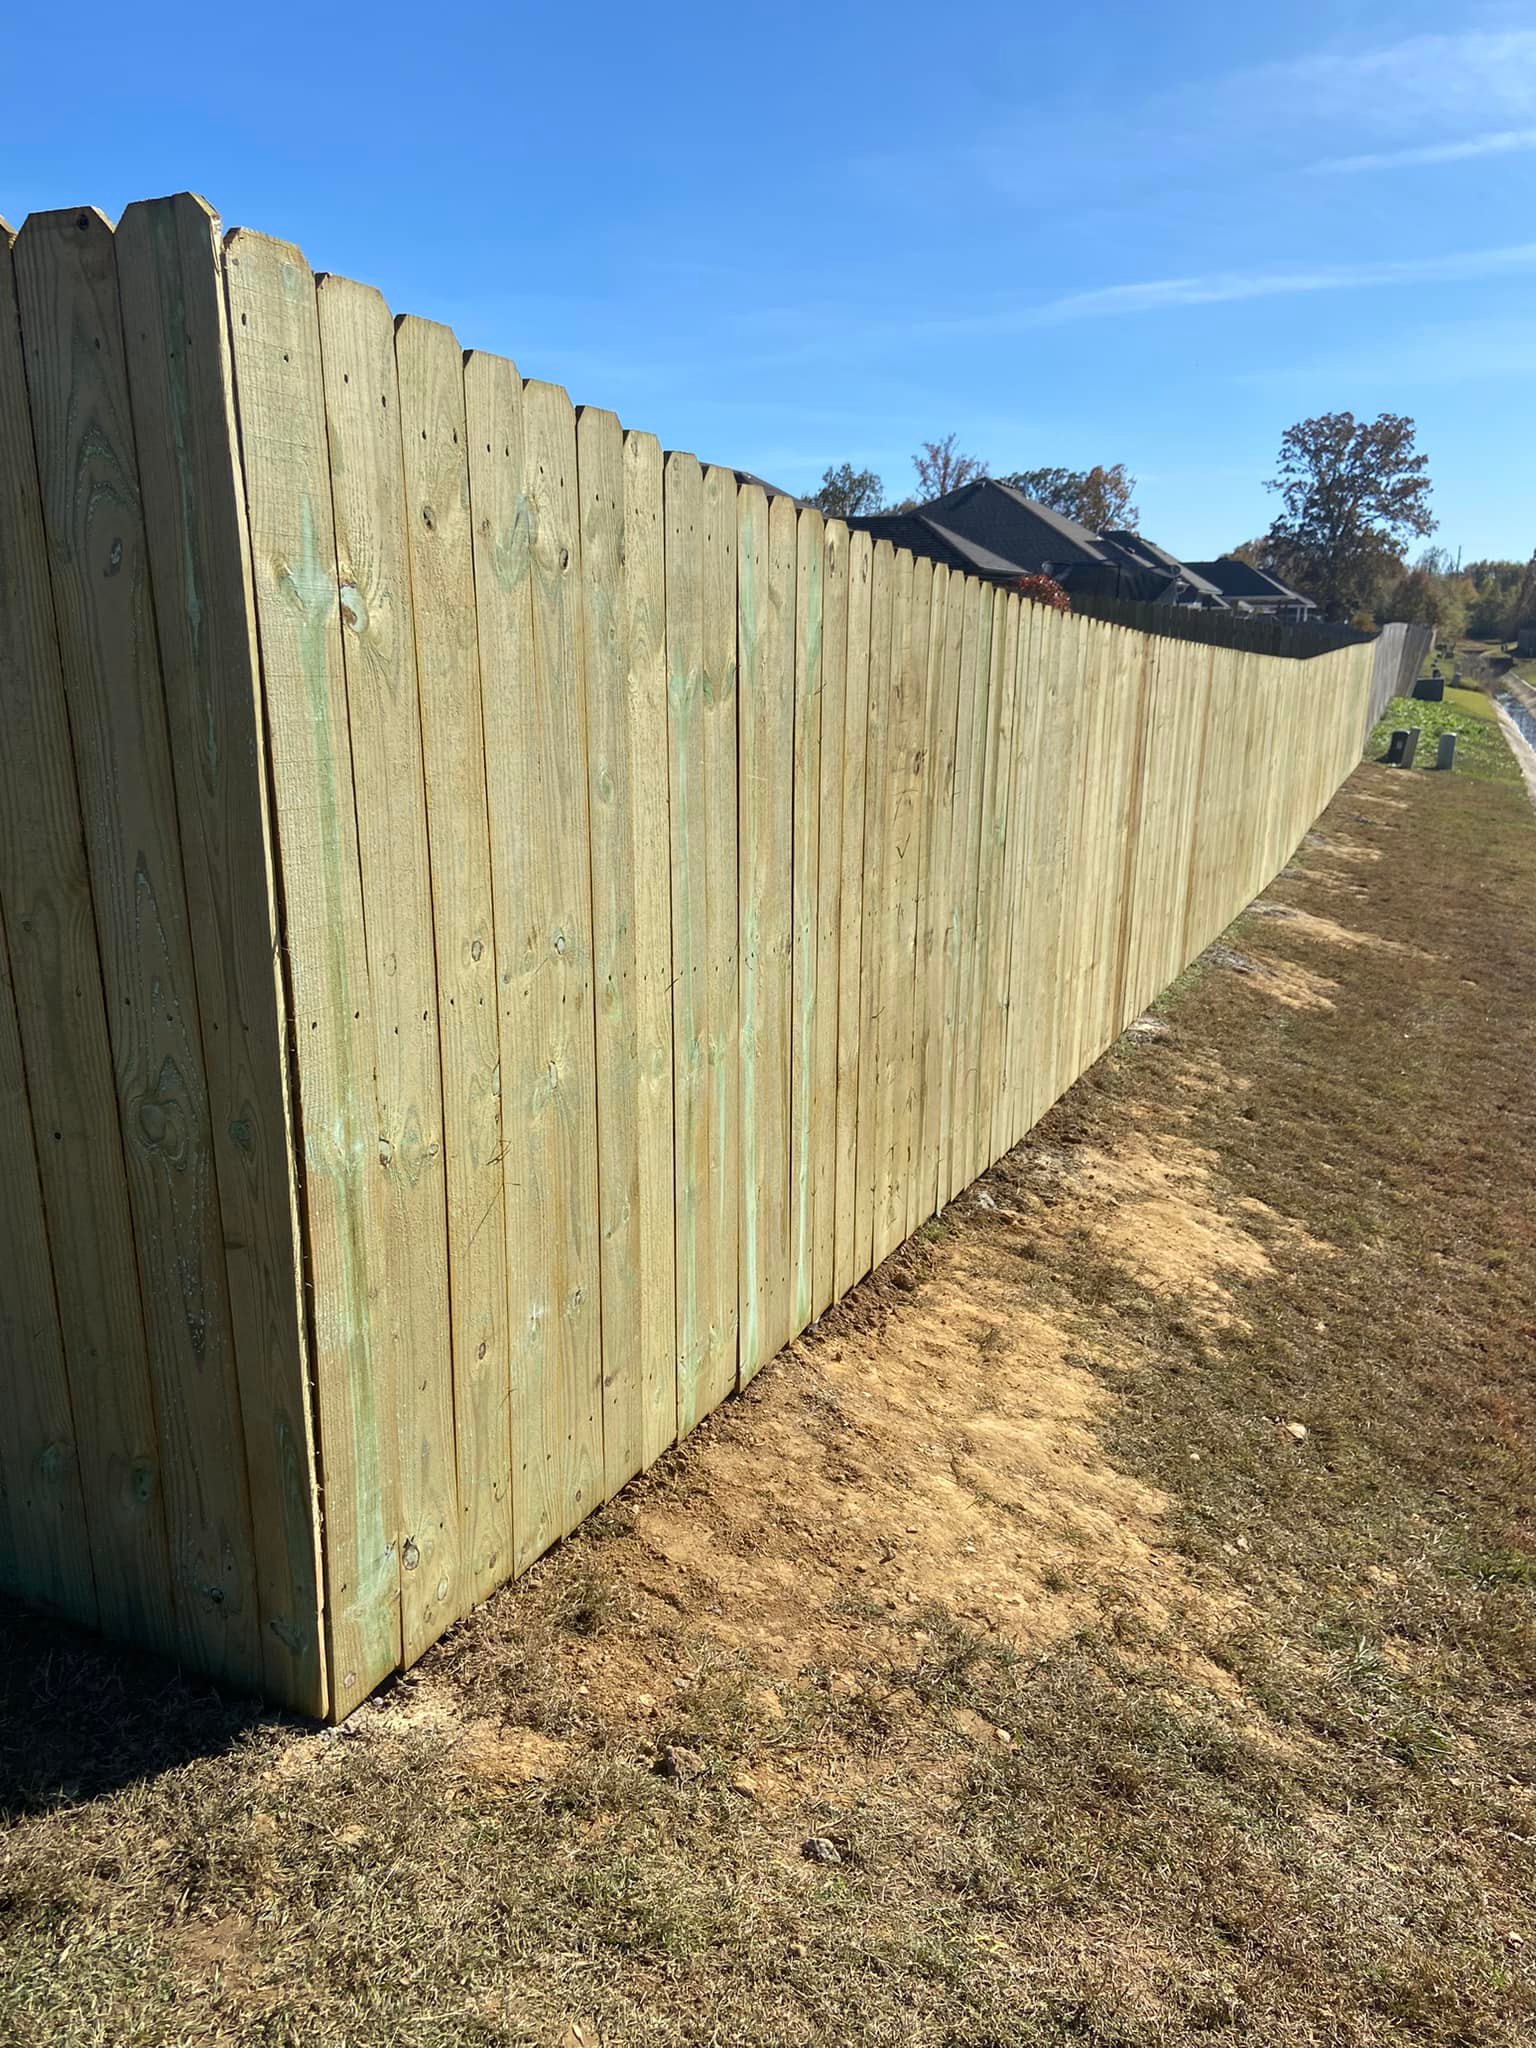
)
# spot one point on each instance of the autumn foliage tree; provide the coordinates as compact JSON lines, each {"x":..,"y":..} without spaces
{"x":1099,"y":498}
{"x":940,"y":468}
{"x":1354,"y":492}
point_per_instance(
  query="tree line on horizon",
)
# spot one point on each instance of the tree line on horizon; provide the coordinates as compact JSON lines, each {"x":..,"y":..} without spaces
{"x":1354,"y":494}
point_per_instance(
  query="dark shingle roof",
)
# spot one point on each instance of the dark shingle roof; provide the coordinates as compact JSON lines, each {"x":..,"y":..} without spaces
{"x":990,"y":529}
{"x":745,"y":476}
{"x":925,"y":536}
{"x":1014,"y":528}
{"x":1234,"y":578}
{"x":1147,"y":554}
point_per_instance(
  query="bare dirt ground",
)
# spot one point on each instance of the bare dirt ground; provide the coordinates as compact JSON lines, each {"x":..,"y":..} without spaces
{"x":1116,"y":1623}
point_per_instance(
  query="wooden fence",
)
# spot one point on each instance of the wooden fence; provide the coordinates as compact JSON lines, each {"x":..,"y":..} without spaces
{"x":1400,"y":652}
{"x":501,"y":927}
{"x":1244,"y":633}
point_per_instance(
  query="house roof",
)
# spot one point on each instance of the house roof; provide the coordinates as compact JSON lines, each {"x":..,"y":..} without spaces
{"x":1139,"y":552}
{"x":991,"y":529}
{"x":924,"y":537}
{"x":745,"y":476}
{"x":1017,"y":530}
{"x":1234,"y":578}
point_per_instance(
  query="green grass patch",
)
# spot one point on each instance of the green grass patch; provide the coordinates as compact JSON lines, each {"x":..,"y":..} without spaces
{"x":1481,"y":749}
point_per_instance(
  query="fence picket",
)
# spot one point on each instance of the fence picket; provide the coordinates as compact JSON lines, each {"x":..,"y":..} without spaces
{"x":874,"y":977}
{"x":722,"y":902}
{"x":411,"y":1310}
{"x":690,"y":849}
{"x":829,"y":914}
{"x":435,"y":456}
{"x":104,"y":606}
{"x":176,"y":332}
{"x":898,"y":1023}
{"x":523,"y":495}
{"x":280,"y":402}
{"x":944,"y":711}
{"x":43,"y":1547}
{"x":620,"y":502}
{"x":625,"y":639}
{"x":766,"y":599}
{"x":845,"y":1269}
{"x":810,"y":562}
{"x":45,"y":904}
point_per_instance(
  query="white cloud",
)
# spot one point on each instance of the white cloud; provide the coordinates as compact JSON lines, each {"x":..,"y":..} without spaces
{"x":1356,"y":105}
{"x":1471,"y":78}
{"x":1506,"y":142}
{"x":1440,"y":354}
{"x":1225,"y":287}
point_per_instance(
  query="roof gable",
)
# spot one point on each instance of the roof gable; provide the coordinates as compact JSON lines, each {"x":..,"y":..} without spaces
{"x":1018,"y":530}
{"x":1236,"y":578}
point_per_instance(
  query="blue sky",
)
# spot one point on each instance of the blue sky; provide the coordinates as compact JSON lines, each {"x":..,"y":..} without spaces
{"x":784,"y":236}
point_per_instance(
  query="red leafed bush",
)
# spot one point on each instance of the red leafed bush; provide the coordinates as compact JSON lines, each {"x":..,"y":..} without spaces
{"x":1045,"y":590}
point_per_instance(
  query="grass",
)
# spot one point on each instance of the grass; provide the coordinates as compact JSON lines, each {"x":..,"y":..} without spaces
{"x":1481,"y":749}
{"x":1273,"y":1786}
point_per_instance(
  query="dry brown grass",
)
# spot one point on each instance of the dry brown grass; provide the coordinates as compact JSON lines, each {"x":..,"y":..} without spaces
{"x":1134,"y":1716}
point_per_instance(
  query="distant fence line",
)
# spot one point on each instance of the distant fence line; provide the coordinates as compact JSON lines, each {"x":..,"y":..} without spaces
{"x":501,"y":928}
{"x":1400,"y":653}
{"x":1244,"y":634}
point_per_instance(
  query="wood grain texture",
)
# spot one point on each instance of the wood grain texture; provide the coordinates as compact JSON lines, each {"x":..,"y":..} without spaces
{"x":280,"y":407}
{"x":45,"y":900}
{"x":435,"y":456}
{"x":829,"y":914}
{"x":175,"y":324}
{"x":44,"y":1550}
{"x":810,"y":570}
{"x":845,"y":1266}
{"x":523,"y":481}
{"x":898,"y":1020}
{"x":928,"y":993}
{"x":104,"y":610}
{"x":646,"y":734}
{"x":1065,"y":882}
{"x":693,"y":1095}
{"x":1004,"y":1129}
{"x":624,"y":637}
{"x":411,"y":1309}
{"x":873,"y":975}
{"x":722,"y":891}
{"x":994,"y":909}
{"x":766,"y":618}
{"x":975,"y":682}
{"x":938,"y":1004}
{"x":893,"y":1015}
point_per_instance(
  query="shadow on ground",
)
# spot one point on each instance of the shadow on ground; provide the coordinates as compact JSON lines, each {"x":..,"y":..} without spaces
{"x":79,"y":1719}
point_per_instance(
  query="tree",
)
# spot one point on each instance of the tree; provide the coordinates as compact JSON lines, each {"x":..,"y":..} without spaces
{"x":1503,"y":598}
{"x":846,"y":491}
{"x":940,"y":469}
{"x":1098,"y":498}
{"x":1354,"y":493}
{"x":1275,"y":558}
{"x":1429,"y":594}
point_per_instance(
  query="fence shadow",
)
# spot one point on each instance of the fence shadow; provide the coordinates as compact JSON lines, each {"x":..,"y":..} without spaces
{"x":80,"y":1718}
